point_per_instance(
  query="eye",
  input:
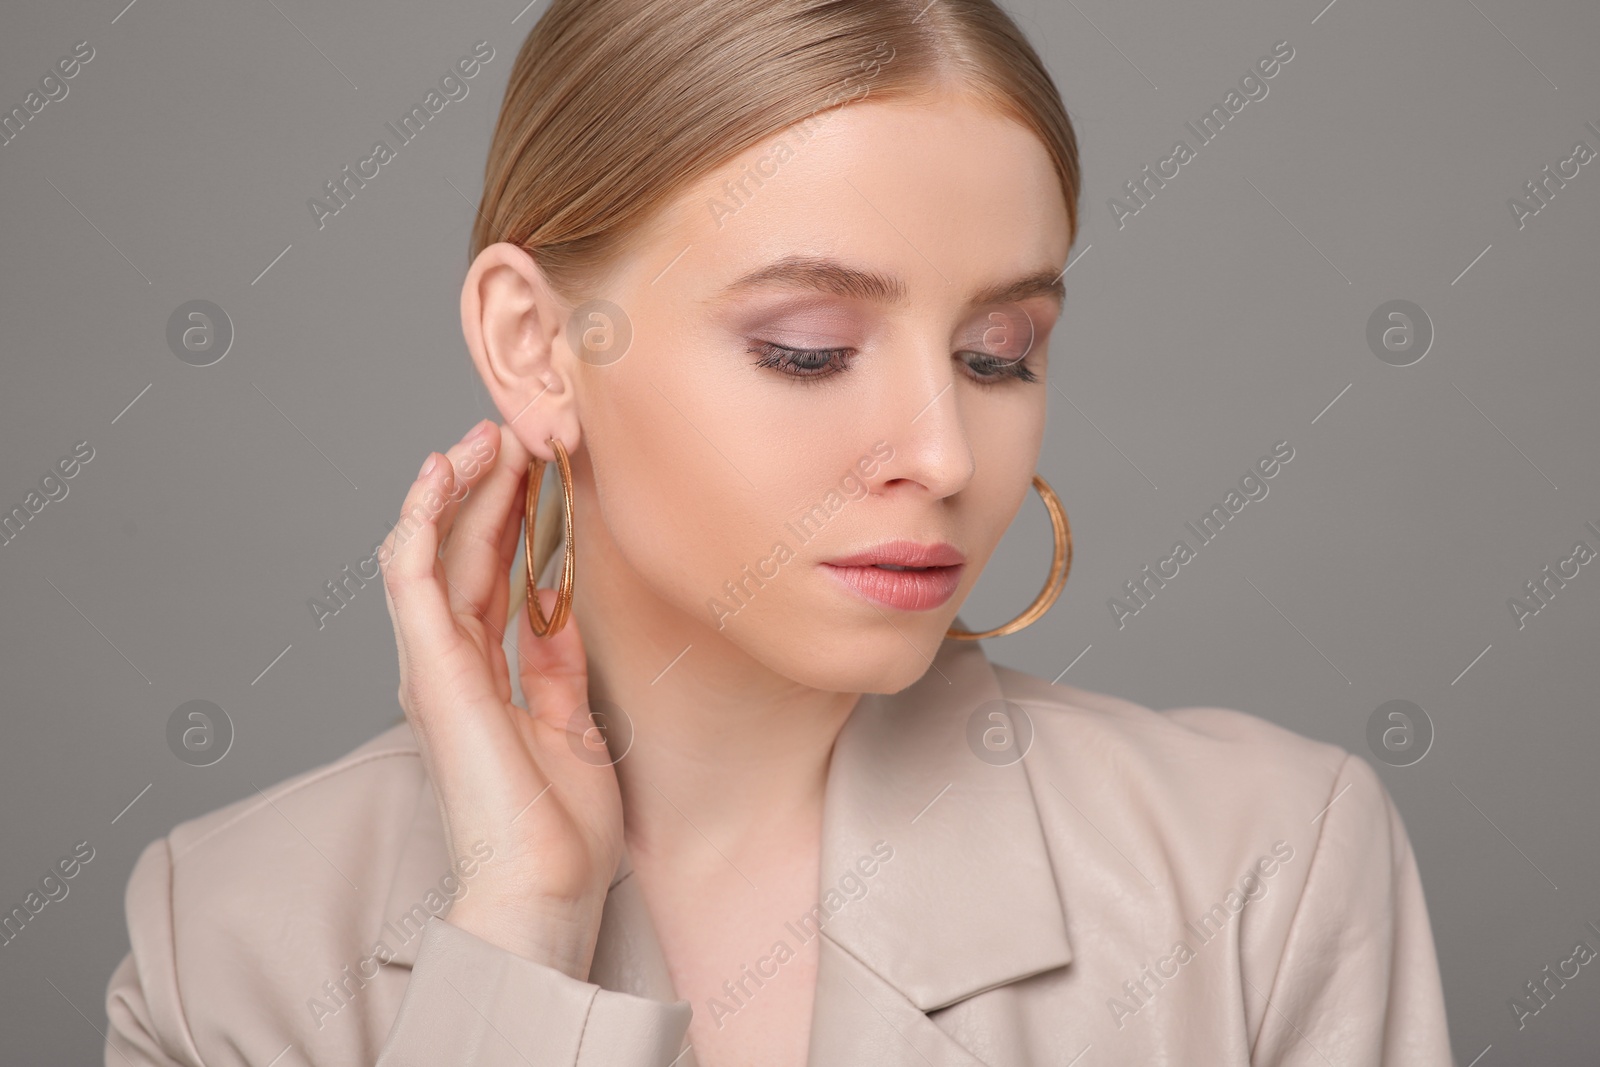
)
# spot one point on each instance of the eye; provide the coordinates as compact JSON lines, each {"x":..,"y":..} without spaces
{"x":1006,"y":343}
{"x":990,"y":369}
{"x":817,"y":363}
{"x":799,"y":362}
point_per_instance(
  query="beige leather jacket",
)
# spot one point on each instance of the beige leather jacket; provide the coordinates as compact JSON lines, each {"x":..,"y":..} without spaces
{"x":1194,"y":886}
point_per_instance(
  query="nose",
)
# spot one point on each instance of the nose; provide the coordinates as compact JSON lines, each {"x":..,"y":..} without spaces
{"x":927,"y":431}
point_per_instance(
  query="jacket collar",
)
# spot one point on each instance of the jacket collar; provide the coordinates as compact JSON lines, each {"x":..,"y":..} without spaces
{"x":966,"y":902}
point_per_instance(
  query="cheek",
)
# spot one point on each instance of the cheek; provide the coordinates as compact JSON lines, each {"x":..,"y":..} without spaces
{"x":692,"y":483}
{"x":992,"y":508}
{"x":1006,"y":439}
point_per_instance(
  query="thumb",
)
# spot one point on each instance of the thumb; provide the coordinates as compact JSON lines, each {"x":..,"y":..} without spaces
{"x":553,"y":669}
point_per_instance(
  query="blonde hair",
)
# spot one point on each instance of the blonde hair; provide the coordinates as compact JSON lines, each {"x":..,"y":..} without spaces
{"x":615,"y":106}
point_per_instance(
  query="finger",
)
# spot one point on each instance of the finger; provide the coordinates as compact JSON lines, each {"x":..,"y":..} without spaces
{"x":513,"y":454}
{"x":409,"y":551}
{"x":471,"y":460}
{"x":516,"y":456}
{"x":480,"y":550}
{"x":501,"y":592}
{"x":472,"y":551}
{"x":433,"y":652}
{"x":553,"y":669}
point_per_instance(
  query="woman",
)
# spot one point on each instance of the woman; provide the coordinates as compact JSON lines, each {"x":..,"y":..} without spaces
{"x":771,"y":283}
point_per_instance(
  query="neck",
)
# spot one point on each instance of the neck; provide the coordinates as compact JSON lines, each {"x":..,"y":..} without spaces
{"x":723,"y":750}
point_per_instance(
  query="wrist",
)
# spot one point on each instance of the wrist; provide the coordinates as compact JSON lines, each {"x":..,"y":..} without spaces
{"x":559,"y":936}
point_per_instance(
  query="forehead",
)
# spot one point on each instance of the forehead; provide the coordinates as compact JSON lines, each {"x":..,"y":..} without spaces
{"x":943,"y":190}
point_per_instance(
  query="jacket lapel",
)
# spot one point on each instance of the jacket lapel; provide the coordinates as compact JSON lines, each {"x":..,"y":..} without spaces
{"x":627,"y":953}
{"x":859,"y":1017}
{"x":967,"y":901}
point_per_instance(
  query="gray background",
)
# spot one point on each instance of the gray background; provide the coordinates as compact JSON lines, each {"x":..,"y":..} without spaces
{"x":1229,"y":314}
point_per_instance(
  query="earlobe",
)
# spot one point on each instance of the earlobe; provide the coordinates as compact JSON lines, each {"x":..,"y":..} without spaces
{"x":511,"y":321}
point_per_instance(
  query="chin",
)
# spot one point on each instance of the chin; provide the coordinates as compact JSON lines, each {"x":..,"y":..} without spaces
{"x":866,"y":656}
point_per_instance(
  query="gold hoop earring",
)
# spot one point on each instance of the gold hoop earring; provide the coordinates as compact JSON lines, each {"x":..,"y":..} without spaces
{"x":543,"y":627}
{"x":1060,"y":564}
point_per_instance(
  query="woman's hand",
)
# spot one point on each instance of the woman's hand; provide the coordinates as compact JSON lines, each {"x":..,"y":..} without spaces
{"x":534,"y":784}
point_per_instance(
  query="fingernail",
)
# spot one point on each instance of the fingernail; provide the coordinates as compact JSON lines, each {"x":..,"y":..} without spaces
{"x":427,"y":467}
{"x":479,"y":430}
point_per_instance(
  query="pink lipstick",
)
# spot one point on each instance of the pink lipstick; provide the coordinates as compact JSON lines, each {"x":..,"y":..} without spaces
{"x":905,"y":575}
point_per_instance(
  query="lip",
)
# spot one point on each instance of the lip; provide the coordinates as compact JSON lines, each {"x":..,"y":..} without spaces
{"x":904,"y":554}
{"x":914,"y":590}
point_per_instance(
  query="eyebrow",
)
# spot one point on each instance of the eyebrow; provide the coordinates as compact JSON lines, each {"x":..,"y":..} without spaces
{"x":830,"y":276}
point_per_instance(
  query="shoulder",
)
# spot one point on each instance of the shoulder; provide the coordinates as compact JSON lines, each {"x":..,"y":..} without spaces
{"x":241,"y":916}
{"x":351,"y":796}
{"x":1183,"y":743}
{"x":1202,"y":793}
{"x":1172,"y":831}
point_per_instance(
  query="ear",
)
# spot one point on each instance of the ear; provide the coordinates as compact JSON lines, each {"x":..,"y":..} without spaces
{"x":515,"y":328}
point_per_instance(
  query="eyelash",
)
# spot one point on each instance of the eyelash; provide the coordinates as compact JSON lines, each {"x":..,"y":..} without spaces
{"x":783,"y":358}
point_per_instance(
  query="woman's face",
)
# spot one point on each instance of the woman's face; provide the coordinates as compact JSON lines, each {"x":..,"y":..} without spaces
{"x":837,"y":344}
